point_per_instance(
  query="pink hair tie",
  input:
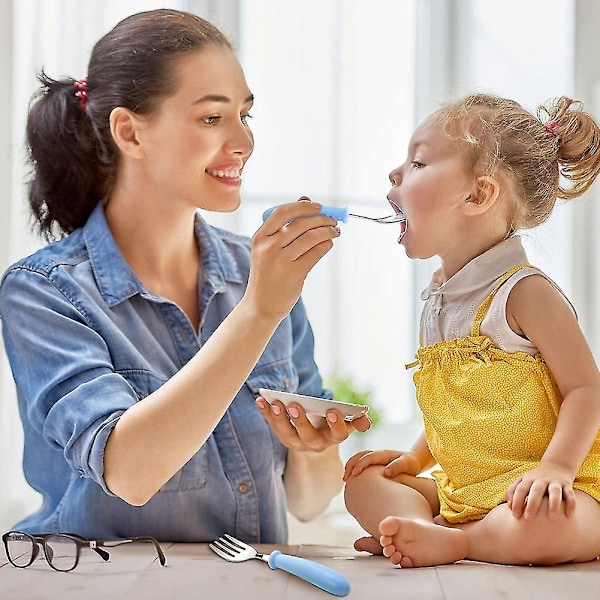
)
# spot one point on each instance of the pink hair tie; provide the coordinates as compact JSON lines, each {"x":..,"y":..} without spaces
{"x":552,"y":128}
{"x":81,"y":93}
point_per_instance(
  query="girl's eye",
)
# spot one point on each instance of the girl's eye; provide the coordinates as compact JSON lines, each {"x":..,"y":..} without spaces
{"x":245,"y":118}
{"x":210,"y":120}
{"x":417,"y":165}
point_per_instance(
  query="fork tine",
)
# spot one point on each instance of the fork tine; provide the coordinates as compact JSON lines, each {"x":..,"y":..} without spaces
{"x":219,"y":545}
{"x":235,"y":542}
{"x":231,"y":545}
{"x":221,"y":553}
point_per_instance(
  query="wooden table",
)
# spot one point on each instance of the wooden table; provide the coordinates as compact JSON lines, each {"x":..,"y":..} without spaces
{"x":194,"y":572}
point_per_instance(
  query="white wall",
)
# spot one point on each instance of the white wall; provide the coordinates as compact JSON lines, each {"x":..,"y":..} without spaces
{"x":339,"y":85}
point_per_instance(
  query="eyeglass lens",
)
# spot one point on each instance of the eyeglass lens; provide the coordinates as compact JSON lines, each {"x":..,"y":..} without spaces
{"x":60,"y":551}
{"x":20,"y":548}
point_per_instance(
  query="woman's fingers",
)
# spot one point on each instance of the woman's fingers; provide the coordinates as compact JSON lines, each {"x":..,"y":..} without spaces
{"x":295,"y":430}
{"x":284,"y":252}
{"x":286,"y":213}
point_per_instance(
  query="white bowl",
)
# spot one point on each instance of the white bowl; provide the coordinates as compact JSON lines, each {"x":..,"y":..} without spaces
{"x":315,"y":406}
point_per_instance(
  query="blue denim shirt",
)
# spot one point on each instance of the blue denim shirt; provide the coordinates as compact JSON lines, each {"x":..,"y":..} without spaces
{"x":86,"y":341}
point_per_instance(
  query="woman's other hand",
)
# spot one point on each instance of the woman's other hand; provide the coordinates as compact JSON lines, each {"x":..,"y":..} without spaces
{"x":294,"y":430}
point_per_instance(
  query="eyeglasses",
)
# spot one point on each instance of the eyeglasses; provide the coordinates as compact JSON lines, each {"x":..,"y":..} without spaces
{"x":62,"y":550}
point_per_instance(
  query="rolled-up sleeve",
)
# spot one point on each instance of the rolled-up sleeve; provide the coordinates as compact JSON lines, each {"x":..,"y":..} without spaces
{"x":68,"y":388}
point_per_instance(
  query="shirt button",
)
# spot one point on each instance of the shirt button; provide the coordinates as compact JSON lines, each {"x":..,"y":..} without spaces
{"x":286,"y":382}
{"x":243,"y":488}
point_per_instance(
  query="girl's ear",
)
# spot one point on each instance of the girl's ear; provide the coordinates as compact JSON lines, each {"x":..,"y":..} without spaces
{"x":123,"y":126}
{"x":484,"y":196}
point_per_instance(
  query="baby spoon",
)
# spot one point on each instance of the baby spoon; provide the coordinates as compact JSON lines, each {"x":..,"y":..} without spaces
{"x":341,"y":214}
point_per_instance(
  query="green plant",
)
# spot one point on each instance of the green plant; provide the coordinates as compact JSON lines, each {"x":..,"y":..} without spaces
{"x":345,"y":389}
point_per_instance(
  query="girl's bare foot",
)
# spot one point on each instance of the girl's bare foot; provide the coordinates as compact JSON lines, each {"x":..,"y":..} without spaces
{"x":368,"y":544}
{"x":411,"y":543}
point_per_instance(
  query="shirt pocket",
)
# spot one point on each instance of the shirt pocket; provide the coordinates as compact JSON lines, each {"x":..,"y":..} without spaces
{"x":194,"y":474}
{"x":280,"y":375}
{"x":283,"y":377}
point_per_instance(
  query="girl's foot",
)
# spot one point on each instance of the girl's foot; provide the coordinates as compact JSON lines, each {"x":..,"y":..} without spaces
{"x":368,"y":544}
{"x":411,"y":543}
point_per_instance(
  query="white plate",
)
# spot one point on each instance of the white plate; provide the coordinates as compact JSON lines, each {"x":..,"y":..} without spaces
{"x":315,"y":406}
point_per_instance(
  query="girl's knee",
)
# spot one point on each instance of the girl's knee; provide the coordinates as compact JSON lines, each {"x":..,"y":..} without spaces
{"x":361,"y":488}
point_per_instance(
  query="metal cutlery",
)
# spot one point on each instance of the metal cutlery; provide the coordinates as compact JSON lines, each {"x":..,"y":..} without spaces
{"x":234,"y":550}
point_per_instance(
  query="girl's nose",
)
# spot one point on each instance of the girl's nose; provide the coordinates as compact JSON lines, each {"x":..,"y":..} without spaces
{"x":396,"y":176}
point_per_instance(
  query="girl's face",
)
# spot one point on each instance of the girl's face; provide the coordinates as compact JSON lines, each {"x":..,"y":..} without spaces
{"x":197,"y":141}
{"x":431,"y":188}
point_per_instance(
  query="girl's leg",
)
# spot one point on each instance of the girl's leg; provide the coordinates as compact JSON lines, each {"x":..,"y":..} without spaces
{"x":371,"y":497}
{"x":501,"y":538}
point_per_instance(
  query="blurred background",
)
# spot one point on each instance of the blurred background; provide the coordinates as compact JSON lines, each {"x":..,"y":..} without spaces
{"x":339,"y":87}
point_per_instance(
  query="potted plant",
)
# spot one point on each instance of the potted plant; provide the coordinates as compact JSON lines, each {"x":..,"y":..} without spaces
{"x":345,"y":389}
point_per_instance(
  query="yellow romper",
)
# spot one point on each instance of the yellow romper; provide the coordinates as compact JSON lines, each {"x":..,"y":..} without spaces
{"x":489,"y":416}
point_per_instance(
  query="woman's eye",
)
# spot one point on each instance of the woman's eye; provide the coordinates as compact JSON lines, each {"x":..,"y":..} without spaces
{"x":245,"y":118}
{"x":210,"y":120}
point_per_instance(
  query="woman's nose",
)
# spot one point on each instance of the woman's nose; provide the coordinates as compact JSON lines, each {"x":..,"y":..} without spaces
{"x":241,"y":140}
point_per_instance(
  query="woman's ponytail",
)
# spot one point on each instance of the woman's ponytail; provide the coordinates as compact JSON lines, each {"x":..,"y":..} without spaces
{"x":65,"y":185}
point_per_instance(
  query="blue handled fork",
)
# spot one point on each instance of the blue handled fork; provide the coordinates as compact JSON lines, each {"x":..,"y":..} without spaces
{"x":327,"y":579}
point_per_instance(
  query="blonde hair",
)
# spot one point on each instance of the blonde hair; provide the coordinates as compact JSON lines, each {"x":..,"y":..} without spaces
{"x":553,"y":154}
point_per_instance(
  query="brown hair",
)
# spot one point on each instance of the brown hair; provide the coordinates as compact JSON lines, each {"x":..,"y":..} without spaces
{"x":554,"y":154}
{"x":71,"y":150}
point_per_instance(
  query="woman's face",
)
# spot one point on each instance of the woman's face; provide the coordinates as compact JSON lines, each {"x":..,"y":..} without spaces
{"x":197,"y":142}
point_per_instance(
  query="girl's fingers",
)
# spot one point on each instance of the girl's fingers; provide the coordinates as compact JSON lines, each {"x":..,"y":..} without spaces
{"x":568,"y":496}
{"x":555,"y":498}
{"x":519,"y":499}
{"x":352,"y":461}
{"x":396,"y":467}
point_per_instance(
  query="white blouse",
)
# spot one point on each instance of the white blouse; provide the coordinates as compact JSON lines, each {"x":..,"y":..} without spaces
{"x":450,"y":307}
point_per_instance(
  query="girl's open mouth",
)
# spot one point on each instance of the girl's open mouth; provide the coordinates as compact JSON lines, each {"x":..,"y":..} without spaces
{"x":404,"y":223}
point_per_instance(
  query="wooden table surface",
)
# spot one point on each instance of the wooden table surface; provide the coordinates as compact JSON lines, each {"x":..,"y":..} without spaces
{"x":193,"y":571}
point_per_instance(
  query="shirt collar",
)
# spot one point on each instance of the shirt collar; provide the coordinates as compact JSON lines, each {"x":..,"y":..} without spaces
{"x":117,"y":282}
{"x":481,"y":270}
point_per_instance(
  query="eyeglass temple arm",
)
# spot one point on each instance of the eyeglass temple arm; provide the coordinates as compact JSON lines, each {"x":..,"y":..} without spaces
{"x":103,"y":554}
{"x":153,"y":541}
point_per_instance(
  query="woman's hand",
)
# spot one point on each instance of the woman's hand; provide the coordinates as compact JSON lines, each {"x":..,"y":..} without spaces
{"x":396,"y":463}
{"x":294,"y":430}
{"x":285,"y":248}
{"x":525,"y":495}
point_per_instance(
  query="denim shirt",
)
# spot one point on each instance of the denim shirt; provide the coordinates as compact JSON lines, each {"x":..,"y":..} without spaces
{"x":86,"y":341}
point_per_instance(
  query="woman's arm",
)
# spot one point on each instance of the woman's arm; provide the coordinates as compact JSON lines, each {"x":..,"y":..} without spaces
{"x":311,"y":480}
{"x":158,"y":435}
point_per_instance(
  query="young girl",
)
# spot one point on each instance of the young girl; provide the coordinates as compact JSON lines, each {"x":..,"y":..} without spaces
{"x":139,"y":341}
{"x":508,"y":387}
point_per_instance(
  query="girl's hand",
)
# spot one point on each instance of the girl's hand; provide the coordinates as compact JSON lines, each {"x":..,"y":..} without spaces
{"x":525,"y":495}
{"x":285,"y":248}
{"x":395,"y":461}
{"x":294,"y":430}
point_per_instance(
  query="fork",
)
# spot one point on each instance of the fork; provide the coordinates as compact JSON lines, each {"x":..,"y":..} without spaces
{"x":395,"y":218}
{"x":341,"y":214}
{"x":323,"y":577}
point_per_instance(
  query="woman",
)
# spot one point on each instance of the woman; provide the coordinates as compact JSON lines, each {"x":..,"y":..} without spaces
{"x":139,"y":340}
